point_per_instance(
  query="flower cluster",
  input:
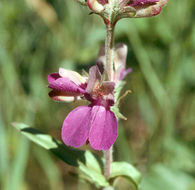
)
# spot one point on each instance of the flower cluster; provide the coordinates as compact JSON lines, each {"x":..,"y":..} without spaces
{"x":94,"y":123}
{"x":113,"y":10}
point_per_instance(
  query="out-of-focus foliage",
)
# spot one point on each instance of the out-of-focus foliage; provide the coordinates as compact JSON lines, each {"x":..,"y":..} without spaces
{"x":38,"y":36}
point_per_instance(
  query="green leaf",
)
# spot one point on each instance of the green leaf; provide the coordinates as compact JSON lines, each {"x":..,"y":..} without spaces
{"x":117,"y":112}
{"x":93,"y":170}
{"x":93,"y":161}
{"x":69,"y":155}
{"x":123,"y":183}
{"x":127,"y":170}
{"x":118,"y":90}
{"x":38,"y":137}
{"x":89,"y":164}
{"x":93,"y":176}
{"x":117,"y":99}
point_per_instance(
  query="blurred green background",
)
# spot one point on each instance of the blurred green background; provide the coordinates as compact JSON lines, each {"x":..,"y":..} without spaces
{"x":38,"y":36}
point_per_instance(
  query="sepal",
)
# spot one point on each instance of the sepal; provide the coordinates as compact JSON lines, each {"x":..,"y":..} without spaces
{"x":82,"y":2}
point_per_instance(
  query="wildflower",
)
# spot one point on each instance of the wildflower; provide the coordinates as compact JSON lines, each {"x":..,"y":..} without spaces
{"x":94,"y":123}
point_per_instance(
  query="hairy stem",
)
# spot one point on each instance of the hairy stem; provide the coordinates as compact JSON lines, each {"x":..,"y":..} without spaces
{"x":109,"y":68}
{"x":109,"y":50}
{"x":108,"y":161}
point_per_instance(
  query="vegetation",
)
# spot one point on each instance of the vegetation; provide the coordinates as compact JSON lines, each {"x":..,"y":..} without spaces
{"x":37,"y":37}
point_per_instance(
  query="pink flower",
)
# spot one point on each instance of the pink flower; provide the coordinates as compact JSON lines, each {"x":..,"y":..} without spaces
{"x":147,"y":8}
{"x":95,"y":123}
{"x":126,"y":8}
{"x":67,"y":85}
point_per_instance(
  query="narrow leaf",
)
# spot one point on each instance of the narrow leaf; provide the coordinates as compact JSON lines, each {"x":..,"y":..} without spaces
{"x":116,"y":111}
{"x":69,"y":155}
{"x":118,"y":90}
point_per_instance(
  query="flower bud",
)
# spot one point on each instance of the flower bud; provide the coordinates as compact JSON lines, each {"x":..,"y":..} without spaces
{"x":143,"y":8}
{"x":114,"y":10}
{"x":96,"y":6}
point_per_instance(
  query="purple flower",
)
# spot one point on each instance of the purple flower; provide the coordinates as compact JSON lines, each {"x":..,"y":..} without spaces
{"x":67,"y":85}
{"x":95,"y":123}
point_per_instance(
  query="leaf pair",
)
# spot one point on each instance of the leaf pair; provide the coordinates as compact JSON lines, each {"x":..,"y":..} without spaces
{"x":89,"y":164}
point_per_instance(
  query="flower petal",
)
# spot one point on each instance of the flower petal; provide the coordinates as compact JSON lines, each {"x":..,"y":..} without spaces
{"x":107,"y":87}
{"x":124,"y":72}
{"x":94,"y":79}
{"x":72,"y":76}
{"x":103,"y":1}
{"x":65,"y":85}
{"x":121,"y":55}
{"x":101,"y":56}
{"x":62,"y":96}
{"x":152,"y":10}
{"x":104,"y":128}
{"x":75,"y":130}
{"x":143,"y":2}
{"x":53,"y":76}
{"x":95,"y":5}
